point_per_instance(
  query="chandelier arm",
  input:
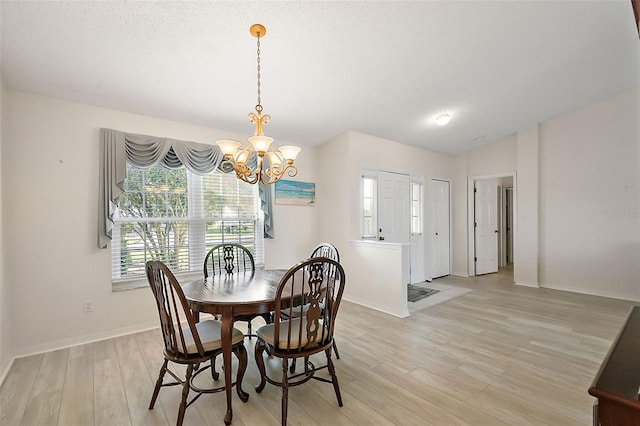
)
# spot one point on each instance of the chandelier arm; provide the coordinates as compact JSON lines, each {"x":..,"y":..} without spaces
{"x":243,"y":171}
{"x":250,"y":181}
{"x":270,"y":179}
{"x":248,"y":172}
{"x":292,"y":170}
{"x":274,"y":173}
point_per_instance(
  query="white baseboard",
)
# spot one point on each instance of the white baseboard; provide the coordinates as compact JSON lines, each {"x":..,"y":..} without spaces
{"x":581,"y":290}
{"x":6,"y":371}
{"x":75,"y":341}
{"x":81,"y":340}
{"x":366,"y":305}
{"x":527,"y":285}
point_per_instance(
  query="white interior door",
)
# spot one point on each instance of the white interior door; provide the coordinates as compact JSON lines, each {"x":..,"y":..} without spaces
{"x":486,"y":226}
{"x":393,"y":207}
{"x":441,"y":234}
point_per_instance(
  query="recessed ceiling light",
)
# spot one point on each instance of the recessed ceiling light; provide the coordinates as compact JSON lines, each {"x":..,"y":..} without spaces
{"x":443,"y":119}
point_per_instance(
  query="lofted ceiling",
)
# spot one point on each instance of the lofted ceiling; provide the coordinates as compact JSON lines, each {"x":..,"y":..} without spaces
{"x":383,"y":68}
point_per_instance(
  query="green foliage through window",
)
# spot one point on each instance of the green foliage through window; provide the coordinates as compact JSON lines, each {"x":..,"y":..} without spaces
{"x":175,"y":216}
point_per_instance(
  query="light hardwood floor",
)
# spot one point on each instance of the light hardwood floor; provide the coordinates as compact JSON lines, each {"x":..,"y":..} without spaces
{"x":496,"y":355}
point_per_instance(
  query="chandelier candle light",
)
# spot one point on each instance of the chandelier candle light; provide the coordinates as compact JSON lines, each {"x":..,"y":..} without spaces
{"x":236,"y":159}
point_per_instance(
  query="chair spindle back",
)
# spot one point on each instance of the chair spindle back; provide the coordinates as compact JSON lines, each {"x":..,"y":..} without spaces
{"x":318,"y":283}
{"x":228,"y":258}
{"x":173,"y":310}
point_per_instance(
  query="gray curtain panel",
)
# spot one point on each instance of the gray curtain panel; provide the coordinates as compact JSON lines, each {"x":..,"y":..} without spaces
{"x":113,"y":170}
{"x":145,"y":151}
{"x":266,"y":205}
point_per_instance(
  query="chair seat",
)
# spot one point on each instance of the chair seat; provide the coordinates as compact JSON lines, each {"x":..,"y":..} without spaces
{"x":297,"y":311}
{"x":211,"y":336}
{"x":267,"y":333}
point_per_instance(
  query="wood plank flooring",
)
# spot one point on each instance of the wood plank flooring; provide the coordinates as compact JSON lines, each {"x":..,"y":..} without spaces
{"x":495,"y":355}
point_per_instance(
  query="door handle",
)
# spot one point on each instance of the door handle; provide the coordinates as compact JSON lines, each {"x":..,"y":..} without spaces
{"x":496,"y":231}
{"x":381,"y":238}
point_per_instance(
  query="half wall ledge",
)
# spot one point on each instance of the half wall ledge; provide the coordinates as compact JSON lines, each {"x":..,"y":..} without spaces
{"x":378,"y":274}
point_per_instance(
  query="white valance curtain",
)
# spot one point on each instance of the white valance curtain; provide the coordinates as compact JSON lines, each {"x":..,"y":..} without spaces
{"x":145,"y":151}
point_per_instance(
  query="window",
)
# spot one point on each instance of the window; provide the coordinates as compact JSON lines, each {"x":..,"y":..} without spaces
{"x":369,"y":219}
{"x":416,"y":208}
{"x":175,"y":216}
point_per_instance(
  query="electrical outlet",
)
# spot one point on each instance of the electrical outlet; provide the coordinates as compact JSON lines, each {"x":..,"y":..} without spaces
{"x":88,"y":306}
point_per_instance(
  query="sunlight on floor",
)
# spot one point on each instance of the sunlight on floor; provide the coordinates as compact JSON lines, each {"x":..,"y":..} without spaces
{"x":446,"y":292}
{"x":461,"y":286}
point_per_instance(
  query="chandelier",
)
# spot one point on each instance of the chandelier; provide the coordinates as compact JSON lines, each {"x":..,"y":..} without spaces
{"x":270,"y":165}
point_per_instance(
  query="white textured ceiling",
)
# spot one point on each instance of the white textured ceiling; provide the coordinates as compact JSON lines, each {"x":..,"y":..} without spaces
{"x":382,"y":68}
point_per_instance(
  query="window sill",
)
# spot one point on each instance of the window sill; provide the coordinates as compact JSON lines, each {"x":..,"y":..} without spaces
{"x":379,"y":244}
{"x":135,"y":283}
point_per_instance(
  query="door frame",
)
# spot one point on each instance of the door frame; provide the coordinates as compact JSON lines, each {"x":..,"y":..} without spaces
{"x":419,"y":269}
{"x":471,"y":242}
{"x":507,"y":254}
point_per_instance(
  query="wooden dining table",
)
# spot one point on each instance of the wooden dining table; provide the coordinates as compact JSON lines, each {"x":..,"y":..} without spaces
{"x":229,"y":295}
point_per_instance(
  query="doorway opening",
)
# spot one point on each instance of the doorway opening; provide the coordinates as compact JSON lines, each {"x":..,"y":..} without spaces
{"x":491,"y":231}
{"x":508,"y":227}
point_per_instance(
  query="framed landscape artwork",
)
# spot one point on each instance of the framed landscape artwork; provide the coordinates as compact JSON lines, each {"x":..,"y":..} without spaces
{"x":295,"y":193}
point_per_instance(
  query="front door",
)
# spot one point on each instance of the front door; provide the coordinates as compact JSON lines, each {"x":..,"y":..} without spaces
{"x":393,"y":207}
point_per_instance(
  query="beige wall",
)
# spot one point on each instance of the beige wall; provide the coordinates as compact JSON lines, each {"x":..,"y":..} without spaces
{"x":6,"y":354}
{"x":50,"y":179}
{"x":497,"y":157}
{"x":590,"y":199}
{"x":459,"y":206}
{"x":527,"y":224}
{"x":335,"y":187}
{"x":296,"y":227}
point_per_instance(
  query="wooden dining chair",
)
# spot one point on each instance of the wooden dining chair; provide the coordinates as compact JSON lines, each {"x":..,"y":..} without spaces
{"x":321,"y":250}
{"x":186,"y":341}
{"x":326,"y":250}
{"x":330,"y":251}
{"x":230,"y":258}
{"x":318,"y":282}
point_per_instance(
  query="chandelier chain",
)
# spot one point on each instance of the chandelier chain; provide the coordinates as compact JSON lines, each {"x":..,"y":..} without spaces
{"x":259,"y":106}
